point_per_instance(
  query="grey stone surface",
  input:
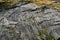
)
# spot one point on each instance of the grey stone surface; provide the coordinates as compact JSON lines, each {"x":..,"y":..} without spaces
{"x":26,"y":23}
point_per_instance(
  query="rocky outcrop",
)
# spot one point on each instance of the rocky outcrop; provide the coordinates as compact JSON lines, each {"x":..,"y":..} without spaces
{"x":28,"y":22}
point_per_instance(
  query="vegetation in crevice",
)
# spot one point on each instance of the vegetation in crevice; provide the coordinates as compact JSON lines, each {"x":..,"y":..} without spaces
{"x":44,"y":36}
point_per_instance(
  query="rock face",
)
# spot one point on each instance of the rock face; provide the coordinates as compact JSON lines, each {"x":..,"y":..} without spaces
{"x":29,"y":23}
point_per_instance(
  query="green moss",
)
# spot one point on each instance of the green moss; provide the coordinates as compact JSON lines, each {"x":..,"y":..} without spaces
{"x":11,"y":29}
{"x":44,"y":36}
{"x":50,"y":37}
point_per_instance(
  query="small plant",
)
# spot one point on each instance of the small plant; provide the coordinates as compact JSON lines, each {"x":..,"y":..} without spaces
{"x":44,"y":36}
